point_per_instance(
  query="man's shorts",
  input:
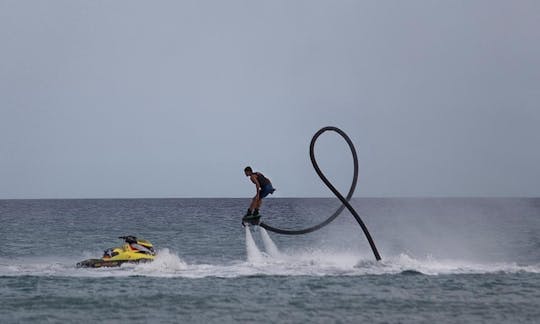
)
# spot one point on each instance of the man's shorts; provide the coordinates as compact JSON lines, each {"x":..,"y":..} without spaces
{"x":266,"y":190}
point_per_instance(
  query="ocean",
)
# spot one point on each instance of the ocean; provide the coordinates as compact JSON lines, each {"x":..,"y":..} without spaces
{"x":444,"y":260}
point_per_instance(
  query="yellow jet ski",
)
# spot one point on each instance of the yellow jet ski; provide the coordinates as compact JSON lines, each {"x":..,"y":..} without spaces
{"x":133,"y":250}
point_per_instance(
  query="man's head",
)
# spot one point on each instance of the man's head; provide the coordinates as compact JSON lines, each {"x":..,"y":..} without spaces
{"x":248,"y":171}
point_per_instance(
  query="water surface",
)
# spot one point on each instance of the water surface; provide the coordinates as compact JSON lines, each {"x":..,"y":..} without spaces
{"x":444,"y":261}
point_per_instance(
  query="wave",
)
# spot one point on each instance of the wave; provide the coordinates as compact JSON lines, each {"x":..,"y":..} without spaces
{"x":169,"y":264}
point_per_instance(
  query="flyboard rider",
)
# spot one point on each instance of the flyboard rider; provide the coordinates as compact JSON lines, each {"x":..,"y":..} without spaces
{"x":264,"y":188}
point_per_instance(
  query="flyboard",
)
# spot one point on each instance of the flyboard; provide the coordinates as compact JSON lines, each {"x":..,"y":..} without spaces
{"x":251,"y":220}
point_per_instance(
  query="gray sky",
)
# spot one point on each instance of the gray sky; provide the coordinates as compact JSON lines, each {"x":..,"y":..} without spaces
{"x":174,"y":98}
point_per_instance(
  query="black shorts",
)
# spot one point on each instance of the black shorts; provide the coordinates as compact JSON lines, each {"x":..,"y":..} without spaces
{"x":266,"y":190}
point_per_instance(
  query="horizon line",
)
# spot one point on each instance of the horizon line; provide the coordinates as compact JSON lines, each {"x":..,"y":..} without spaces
{"x":303,"y":197}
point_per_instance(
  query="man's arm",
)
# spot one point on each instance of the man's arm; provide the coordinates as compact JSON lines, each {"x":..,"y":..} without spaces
{"x":257,"y":184}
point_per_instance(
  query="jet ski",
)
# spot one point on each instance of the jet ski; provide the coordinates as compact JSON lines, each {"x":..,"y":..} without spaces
{"x":133,"y":250}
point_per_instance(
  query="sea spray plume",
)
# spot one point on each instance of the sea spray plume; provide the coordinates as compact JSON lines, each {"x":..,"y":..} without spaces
{"x":166,"y":261}
{"x":344,"y":200}
{"x":476,"y":230}
{"x":253,"y":253}
{"x":269,"y":245}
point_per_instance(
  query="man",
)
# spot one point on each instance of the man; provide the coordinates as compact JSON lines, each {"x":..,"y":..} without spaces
{"x":264,"y":188}
{"x":133,"y":243}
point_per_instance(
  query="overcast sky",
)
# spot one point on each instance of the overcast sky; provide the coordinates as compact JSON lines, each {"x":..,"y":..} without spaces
{"x":174,"y":98}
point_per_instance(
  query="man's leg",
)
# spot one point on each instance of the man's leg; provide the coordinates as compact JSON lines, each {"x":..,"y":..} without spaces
{"x":257,"y":206}
{"x":252,"y":206}
{"x":254,"y":203}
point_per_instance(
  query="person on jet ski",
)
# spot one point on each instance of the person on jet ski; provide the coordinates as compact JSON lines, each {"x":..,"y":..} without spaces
{"x":109,"y":253}
{"x":264,"y":188}
{"x":132,"y":241}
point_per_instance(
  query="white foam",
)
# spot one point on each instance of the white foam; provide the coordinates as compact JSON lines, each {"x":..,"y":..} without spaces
{"x":431,"y":266}
{"x":313,"y":262}
{"x":165,"y":262}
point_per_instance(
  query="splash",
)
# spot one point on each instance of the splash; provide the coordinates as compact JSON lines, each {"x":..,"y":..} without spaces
{"x":254,"y":255}
{"x":165,"y":262}
{"x":269,"y":245}
{"x":312,"y":262}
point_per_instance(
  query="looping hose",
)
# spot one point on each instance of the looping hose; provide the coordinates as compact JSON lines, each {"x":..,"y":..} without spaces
{"x":344,"y":200}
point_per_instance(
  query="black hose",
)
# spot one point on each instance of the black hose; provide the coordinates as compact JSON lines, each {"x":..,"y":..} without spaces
{"x":344,"y":200}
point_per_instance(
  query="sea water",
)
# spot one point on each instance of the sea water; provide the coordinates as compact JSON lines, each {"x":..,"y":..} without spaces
{"x":444,"y":261}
